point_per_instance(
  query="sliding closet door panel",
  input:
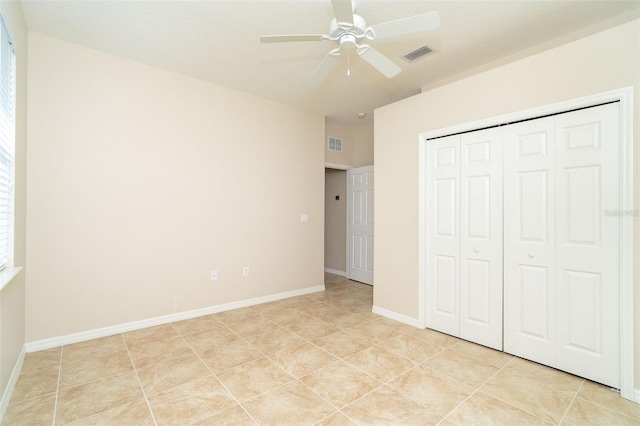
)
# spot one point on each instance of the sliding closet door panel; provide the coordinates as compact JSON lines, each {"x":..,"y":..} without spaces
{"x":587,"y":270}
{"x":443,"y":229}
{"x":481,"y":237}
{"x":529,"y":240}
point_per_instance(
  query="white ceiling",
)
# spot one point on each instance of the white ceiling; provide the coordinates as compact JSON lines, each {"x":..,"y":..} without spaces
{"x":218,"y":41}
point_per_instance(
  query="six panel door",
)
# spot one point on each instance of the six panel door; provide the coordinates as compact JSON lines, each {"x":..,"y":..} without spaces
{"x":481,"y":237}
{"x":588,"y":243}
{"x":443,"y":228}
{"x":529,"y":240}
{"x":360,"y":225}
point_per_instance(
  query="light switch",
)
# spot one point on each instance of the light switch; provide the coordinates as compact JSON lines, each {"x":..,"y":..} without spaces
{"x":304,"y":217}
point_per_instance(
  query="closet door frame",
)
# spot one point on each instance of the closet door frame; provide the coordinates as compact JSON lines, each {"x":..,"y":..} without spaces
{"x":625,"y":97}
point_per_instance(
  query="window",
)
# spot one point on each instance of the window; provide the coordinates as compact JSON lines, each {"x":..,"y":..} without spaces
{"x":7,"y":144}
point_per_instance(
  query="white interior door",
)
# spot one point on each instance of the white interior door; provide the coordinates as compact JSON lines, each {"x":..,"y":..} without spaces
{"x":481,"y":237}
{"x":529,"y":235}
{"x":561,"y":251}
{"x":464,"y":228}
{"x":588,"y":241}
{"x":360,"y":222}
{"x":443,"y":230}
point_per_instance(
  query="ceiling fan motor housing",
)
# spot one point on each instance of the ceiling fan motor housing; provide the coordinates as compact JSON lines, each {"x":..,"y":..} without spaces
{"x":347,"y":34}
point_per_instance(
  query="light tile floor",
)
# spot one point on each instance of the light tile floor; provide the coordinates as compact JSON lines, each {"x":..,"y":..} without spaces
{"x":320,"y":359}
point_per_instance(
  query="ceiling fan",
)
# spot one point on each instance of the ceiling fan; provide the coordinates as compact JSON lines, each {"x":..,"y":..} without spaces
{"x":348,"y":30}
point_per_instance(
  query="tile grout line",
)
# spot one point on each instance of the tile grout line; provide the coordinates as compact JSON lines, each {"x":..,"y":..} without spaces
{"x":216,"y":376}
{"x":601,"y":405}
{"x":583,"y":380}
{"x":566,"y":411}
{"x":294,"y":377}
{"x":339,"y":410}
{"x":213,"y":373}
{"x":373,"y":344}
{"x":382,"y":384}
{"x":338,"y":359}
{"x":418,"y":364}
{"x":526,"y":410}
{"x":297,"y":379}
{"x":478,"y":390}
{"x":369,"y":374}
{"x":135,"y":370}
{"x":55,"y":404}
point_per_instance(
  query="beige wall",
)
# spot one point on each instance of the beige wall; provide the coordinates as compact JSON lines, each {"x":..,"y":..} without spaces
{"x":344,"y":132}
{"x":601,"y":62}
{"x":142,"y":181}
{"x":335,"y":220}
{"x":357,"y":143}
{"x":363,"y":145}
{"x":12,"y":302}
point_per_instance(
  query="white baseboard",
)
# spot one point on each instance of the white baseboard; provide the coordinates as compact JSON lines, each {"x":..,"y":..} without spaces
{"x":335,"y":272}
{"x":395,"y":316}
{"x":83,"y":336}
{"x":8,"y":391}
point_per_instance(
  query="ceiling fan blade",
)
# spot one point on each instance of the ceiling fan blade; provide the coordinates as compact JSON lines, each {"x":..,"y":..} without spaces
{"x":291,"y":38}
{"x":380,"y":62}
{"x":413,"y":24}
{"x":343,"y":9}
{"x":323,"y":69}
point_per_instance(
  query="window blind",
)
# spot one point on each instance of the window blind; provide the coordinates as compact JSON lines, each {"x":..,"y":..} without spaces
{"x":7,"y":143}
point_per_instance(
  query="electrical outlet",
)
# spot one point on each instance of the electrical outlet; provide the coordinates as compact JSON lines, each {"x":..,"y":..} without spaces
{"x":245,"y":271}
{"x":214,"y":275}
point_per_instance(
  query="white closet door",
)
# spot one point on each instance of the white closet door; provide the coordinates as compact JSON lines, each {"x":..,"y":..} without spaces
{"x":443,"y":229}
{"x":529,"y":235}
{"x":561,"y":249}
{"x":481,"y":237}
{"x":587,"y":241}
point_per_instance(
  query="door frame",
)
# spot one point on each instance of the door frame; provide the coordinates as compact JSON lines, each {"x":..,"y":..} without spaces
{"x":343,"y":168}
{"x":625,"y":97}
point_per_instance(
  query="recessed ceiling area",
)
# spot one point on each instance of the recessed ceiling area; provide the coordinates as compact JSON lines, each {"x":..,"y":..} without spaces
{"x":218,"y":41}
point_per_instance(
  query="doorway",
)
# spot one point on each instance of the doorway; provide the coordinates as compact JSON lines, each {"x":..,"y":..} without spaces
{"x":348,"y":233}
{"x":335,"y":221}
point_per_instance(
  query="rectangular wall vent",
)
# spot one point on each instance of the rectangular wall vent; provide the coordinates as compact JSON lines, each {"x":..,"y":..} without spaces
{"x":417,"y":54}
{"x":335,"y":144}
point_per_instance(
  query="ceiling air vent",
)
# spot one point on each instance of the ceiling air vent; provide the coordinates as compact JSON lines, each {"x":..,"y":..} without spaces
{"x":335,"y":144}
{"x":417,"y":54}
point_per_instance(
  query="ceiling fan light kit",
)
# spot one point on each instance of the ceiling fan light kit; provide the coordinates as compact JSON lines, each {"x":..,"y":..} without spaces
{"x":348,"y":29}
